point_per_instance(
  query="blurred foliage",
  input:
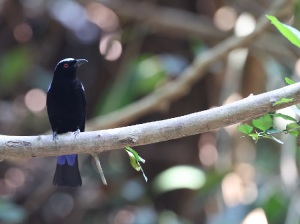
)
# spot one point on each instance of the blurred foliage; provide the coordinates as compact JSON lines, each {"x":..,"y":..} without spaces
{"x":13,"y":66}
{"x":140,"y":78}
{"x":275,"y":207}
{"x":11,"y":213}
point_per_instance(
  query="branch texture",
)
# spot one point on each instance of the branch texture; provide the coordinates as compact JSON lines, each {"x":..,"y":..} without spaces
{"x":142,"y":134}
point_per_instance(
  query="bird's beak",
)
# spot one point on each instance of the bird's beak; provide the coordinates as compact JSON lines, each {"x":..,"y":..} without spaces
{"x":80,"y":62}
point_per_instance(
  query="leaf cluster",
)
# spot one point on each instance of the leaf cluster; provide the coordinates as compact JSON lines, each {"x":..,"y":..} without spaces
{"x":265,"y":123}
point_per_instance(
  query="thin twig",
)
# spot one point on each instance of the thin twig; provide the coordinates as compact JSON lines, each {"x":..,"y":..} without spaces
{"x":97,"y":160}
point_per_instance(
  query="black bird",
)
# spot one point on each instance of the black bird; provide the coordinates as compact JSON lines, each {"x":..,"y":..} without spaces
{"x":66,"y":107}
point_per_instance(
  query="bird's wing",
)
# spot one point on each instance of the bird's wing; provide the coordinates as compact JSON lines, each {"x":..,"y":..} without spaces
{"x":50,"y":108}
{"x":84,"y":107}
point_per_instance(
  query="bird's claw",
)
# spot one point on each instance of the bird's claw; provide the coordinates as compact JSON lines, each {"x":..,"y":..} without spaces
{"x":55,"y":136}
{"x":76,"y":132}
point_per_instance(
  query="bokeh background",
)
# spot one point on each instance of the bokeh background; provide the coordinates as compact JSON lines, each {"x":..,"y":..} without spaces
{"x":134,"y":47}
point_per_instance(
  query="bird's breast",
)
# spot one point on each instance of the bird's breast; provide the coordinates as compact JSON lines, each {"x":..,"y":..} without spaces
{"x":65,"y":103}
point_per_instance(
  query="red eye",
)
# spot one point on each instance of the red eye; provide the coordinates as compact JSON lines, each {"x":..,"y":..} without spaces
{"x":66,"y":65}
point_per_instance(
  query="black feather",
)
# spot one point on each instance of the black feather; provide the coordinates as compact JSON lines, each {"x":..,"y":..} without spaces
{"x":66,"y":175}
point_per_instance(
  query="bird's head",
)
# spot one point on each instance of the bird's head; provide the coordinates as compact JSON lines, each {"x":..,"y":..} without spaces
{"x":66,"y":68}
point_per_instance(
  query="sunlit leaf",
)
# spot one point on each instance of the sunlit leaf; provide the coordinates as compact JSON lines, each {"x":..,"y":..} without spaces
{"x":134,"y":160}
{"x":283,"y":100}
{"x":136,"y":155}
{"x":292,"y":126}
{"x":263,"y":123}
{"x":288,"y":81}
{"x":253,"y":135}
{"x":245,"y":128}
{"x":295,"y":133}
{"x":292,"y":34}
{"x":286,"y":117}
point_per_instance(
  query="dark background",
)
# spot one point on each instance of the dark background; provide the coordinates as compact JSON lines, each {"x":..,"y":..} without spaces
{"x":134,"y":47}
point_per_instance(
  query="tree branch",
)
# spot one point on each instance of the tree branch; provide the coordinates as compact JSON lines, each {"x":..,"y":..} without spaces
{"x":148,"y":133}
{"x":160,"y":99}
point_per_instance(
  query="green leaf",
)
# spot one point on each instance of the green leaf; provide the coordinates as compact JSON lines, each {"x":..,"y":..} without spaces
{"x":254,"y":136}
{"x":134,"y":159}
{"x":292,"y":34}
{"x":295,"y":133}
{"x":288,"y":81}
{"x":263,"y":123}
{"x":245,"y":128}
{"x":283,"y":100}
{"x":286,"y":117}
{"x":273,"y":138}
{"x":273,"y":130}
{"x":136,"y":155}
{"x":292,"y":126}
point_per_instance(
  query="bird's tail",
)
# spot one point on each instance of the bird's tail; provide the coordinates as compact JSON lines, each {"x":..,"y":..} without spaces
{"x":67,"y":171}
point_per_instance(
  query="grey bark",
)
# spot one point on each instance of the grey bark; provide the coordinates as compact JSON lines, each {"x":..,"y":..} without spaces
{"x":148,"y":133}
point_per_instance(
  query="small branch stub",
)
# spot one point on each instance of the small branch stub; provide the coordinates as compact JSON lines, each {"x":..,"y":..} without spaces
{"x":97,"y":160}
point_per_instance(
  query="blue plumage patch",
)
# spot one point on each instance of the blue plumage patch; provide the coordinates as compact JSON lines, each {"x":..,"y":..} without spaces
{"x":61,"y":160}
{"x":49,"y":87}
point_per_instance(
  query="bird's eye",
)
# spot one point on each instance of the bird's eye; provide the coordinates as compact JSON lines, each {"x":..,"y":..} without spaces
{"x":66,"y":65}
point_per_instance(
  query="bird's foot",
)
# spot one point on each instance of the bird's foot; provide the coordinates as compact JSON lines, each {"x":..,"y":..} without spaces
{"x":55,"y":136}
{"x":76,"y":132}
